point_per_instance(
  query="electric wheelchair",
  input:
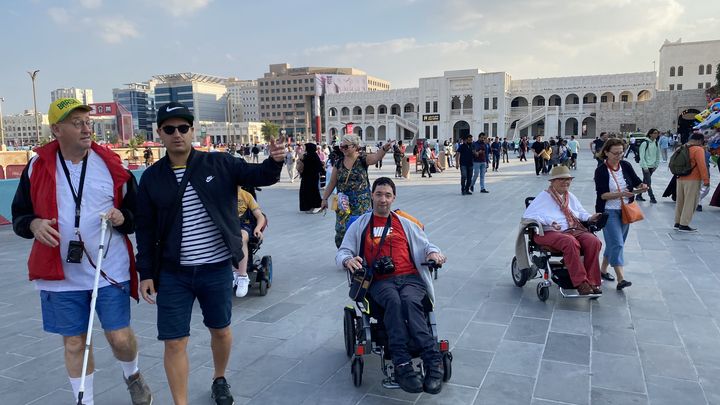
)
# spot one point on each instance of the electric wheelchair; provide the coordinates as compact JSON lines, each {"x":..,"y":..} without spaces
{"x":365,"y":333}
{"x":547,"y":263}
{"x":259,"y":269}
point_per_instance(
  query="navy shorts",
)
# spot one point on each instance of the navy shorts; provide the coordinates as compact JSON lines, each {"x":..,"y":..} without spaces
{"x":210,"y":283}
{"x":67,"y":312}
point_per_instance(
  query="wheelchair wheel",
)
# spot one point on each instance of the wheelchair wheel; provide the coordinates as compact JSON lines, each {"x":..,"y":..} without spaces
{"x":349,"y":330}
{"x":520,"y":276}
{"x":263,"y":287}
{"x":543,"y":292}
{"x":357,"y":370}
{"x":266,"y":264}
{"x":447,"y":366}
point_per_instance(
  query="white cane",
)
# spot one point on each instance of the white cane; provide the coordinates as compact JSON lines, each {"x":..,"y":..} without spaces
{"x":88,"y":338}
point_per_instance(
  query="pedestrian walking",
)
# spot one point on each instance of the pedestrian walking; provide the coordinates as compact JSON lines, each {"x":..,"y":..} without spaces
{"x":505,"y":145}
{"x":189,"y":238}
{"x":290,"y":162}
{"x":538,"y":149}
{"x":664,"y":144}
{"x":481,"y":161}
{"x":496,"y":150}
{"x":688,"y":186}
{"x":398,"y":156}
{"x":425,"y":156}
{"x":649,"y":152}
{"x":58,"y":202}
{"x":310,"y":168}
{"x":464,"y":161}
{"x":523,"y":149}
{"x":615,"y":184}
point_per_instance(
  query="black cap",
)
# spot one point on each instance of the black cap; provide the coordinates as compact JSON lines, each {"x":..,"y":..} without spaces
{"x":173,"y":109}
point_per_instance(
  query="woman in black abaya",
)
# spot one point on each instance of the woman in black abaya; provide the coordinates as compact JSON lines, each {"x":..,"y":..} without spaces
{"x":312,"y":168}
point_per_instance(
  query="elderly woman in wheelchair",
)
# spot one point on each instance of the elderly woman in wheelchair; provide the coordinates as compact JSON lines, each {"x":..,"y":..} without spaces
{"x":557,"y":224}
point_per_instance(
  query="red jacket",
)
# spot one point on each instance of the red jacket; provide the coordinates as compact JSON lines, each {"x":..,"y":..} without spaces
{"x":36,"y":198}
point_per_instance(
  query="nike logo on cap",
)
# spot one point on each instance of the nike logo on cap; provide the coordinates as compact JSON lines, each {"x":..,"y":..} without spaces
{"x":209,"y":179}
{"x":171,"y":109}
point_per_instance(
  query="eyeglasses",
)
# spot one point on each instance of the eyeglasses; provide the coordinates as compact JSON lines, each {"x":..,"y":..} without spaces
{"x":345,"y":147}
{"x":78,"y":124}
{"x":615,"y":153}
{"x":170,"y":129}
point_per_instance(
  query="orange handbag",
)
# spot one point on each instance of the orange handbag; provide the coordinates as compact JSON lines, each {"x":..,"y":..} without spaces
{"x":630,"y":212}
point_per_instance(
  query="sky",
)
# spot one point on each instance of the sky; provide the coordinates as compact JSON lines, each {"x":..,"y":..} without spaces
{"x":102,"y":44}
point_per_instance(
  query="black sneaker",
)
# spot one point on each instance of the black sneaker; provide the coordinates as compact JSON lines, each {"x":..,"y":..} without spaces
{"x":484,"y":191}
{"x":685,"y":228}
{"x":607,"y":276}
{"x":472,"y":188}
{"x":433,"y":379}
{"x":676,"y":225}
{"x":221,"y":392}
{"x":699,"y":208}
{"x":408,"y":379}
{"x":653,"y":200}
{"x":640,"y":198}
{"x":623,"y":284}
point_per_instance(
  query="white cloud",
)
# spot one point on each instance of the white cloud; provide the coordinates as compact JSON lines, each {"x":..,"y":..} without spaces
{"x":181,"y":7}
{"x":115,"y":30}
{"x":90,"y":3}
{"x":392,"y":47}
{"x":59,"y":15}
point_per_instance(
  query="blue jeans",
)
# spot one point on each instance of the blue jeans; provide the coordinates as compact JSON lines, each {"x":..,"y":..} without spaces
{"x":479,"y":168}
{"x":465,"y":177}
{"x":615,"y":234}
{"x":404,"y":318}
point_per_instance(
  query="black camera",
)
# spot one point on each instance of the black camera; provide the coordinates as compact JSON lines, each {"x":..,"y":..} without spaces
{"x":75,"y":252}
{"x":384,"y":265}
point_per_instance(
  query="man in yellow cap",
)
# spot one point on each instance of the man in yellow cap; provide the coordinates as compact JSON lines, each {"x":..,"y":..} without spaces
{"x":62,"y":192}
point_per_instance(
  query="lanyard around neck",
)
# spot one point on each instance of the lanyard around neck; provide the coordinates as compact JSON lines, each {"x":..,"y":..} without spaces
{"x":77,"y":197}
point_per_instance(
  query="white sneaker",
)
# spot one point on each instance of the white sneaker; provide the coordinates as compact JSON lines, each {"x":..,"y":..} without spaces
{"x":241,"y":286}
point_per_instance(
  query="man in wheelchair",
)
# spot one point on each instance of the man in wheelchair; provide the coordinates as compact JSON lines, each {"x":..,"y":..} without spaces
{"x":561,"y":216}
{"x":252,"y":221}
{"x":393,"y":248}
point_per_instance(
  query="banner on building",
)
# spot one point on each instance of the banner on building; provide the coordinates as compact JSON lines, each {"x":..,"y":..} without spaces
{"x":335,"y":84}
{"x":431,"y":117}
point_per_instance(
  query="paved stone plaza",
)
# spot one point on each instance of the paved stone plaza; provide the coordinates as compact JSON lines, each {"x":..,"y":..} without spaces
{"x":656,"y":343}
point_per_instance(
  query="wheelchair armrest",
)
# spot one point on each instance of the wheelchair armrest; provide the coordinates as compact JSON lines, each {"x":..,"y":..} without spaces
{"x":598,"y":225}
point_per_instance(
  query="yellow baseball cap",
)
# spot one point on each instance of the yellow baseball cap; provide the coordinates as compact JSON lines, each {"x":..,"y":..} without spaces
{"x":60,"y":108}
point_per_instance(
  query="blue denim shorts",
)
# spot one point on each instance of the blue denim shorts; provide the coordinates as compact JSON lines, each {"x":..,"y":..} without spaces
{"x":211,"y":284}
{"x":67,"y":312}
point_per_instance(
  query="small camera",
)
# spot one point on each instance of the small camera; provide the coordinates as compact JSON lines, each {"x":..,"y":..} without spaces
{"x":384,"y":265}
{"x":75,"y":252}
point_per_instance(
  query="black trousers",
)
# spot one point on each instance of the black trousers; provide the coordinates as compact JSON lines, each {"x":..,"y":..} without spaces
{"x":539,"y":165}
{"x":466,"y":174}
{"x":495,"y":162}
{"x":404,"y":319}
{"x":426,"y":167}
{"x":647,"y":179}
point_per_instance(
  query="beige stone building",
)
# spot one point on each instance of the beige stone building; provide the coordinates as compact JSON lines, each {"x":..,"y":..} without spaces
{"x":286,"y":94}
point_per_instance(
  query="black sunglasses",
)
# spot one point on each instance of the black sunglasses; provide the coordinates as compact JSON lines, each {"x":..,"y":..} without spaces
{"x":170,"y":129}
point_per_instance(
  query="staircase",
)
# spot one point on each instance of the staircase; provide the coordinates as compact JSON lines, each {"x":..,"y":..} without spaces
{"x":402,"y":122}
{"x":537,"y":114}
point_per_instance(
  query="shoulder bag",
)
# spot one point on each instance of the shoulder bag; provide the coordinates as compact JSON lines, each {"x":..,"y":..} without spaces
{"x":630,"y":212}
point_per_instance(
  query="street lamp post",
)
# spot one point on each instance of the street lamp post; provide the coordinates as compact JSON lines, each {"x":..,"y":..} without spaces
{"x":2,"y":129}
{"x":33,"y":75}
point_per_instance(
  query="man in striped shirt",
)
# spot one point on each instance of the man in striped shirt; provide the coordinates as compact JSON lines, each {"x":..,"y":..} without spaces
{"x":189,"y":237}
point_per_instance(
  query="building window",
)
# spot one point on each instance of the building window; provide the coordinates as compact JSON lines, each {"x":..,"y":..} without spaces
{"x":486,"y":128}
{"x":624,"y":98}
{"x":427,"y":106}
{"x":679,"y":86}
{"x":700,"y":85}
{"x":435,"y":106}
{"x":707,"y":85}
{"x":427,"y":132}
{"x":603,"y":99}
{"x":672,"y":87}
{"x":708,"y":69}
{"x":701,"y":71}
{"x":680,"y":71}
{"x":672,"y":71}
{"x":494,"y":129}
{"x":487,"y":103}
{"x":494,"y":103}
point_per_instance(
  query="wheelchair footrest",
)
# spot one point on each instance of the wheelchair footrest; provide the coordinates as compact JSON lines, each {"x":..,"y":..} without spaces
{"x":390,"y":384}
{"x":565,"y":294}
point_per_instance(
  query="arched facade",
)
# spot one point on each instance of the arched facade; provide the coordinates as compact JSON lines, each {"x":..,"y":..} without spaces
{"x":381,"y":133}
{"x":409,"y":107}
{"x":626,"y":97}
{"x":607,"y":97}
{"x":370,"y":134}
{"x":382,"y":109}
{"x":572,"y":98}
{"x":369,"y":110}
{"x":345,"y":111}
{"x":460,"y":130}
{"x":455,"y":103}
{"x":333,"y":112}
{"x":571,"y":127}
{"x":644,"y":95}
{"x":519,"y":102}
{"x":395,"y":109}
{"x":554,"y":100}
{"x":589,"y":98}
{"x":357,"y":110}
{"x":538,"y":101}
{"x":589,"y":128}
{"x":467,"y":103}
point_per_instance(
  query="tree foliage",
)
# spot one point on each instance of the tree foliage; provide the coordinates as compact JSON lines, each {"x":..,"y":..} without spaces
{"x":270,"y":131}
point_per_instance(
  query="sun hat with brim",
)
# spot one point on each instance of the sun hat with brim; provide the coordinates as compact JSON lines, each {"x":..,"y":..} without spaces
{"x":560,"y":172}
{"x":60,"y":108}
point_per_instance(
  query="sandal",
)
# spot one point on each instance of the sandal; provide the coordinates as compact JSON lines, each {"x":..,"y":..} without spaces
{"x":584,"y":289}
{"x":623,"y":284}
{"x":607,"y":276}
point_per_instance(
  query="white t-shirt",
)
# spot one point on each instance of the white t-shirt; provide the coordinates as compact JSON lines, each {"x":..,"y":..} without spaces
{"x":97,"y":198}
{"x":573,"y":145}
{"x":615,"y":204}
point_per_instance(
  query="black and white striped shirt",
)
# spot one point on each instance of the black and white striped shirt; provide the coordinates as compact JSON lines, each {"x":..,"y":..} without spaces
{"x":202,"y":241}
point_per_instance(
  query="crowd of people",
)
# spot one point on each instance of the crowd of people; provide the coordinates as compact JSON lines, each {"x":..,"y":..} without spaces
{"x":193,"y":221}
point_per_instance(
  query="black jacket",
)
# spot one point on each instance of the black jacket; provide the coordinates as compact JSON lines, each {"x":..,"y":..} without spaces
{"x":215,"y":177}
{"x":602,"y":182}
